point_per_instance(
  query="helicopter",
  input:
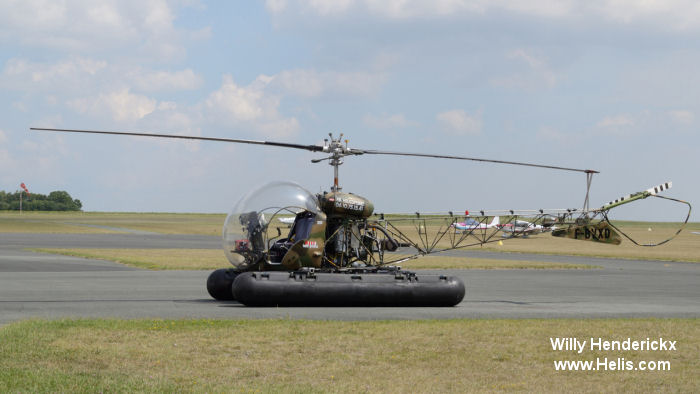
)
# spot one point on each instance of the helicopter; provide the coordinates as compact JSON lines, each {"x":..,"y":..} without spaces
{"x":336,"y":251}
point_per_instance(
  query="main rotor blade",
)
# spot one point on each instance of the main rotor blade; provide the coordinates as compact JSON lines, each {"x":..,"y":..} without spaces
{"x":313,"y":148}
{"x":379,"y":152}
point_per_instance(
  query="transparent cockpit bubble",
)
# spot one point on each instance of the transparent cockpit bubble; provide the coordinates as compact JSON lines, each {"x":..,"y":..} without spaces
{"x":261,"y":216}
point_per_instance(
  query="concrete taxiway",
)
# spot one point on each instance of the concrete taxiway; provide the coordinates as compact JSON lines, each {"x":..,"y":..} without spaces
{"x":35,"y":285}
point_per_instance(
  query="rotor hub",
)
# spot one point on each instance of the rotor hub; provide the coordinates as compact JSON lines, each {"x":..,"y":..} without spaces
{"x":338,"y":150}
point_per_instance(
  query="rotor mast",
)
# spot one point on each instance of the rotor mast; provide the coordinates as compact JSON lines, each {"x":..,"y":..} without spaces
{"x":337,"y":150}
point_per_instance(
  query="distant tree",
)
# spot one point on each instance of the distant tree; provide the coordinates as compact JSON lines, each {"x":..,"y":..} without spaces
{"x":58,"y":200}
{"x":60,"y":196}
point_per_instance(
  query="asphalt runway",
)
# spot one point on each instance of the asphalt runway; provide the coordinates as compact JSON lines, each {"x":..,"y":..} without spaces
{"x":34,"y":285}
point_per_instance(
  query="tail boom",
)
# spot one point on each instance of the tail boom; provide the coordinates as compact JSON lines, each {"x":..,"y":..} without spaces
{"x":637,"y":196}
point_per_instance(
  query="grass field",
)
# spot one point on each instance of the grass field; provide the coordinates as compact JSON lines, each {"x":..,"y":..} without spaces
{"x":153,"y":259}
{"x":326,"y":356}
{"x":685,"y":247}
{"x":210,"y":259}
{"x":101,"y":222}
{"x":332,"y":356}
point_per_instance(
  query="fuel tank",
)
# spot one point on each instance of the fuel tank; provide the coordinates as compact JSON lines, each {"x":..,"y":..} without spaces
{"x":404,"y":289}
{"x":345,"y":204}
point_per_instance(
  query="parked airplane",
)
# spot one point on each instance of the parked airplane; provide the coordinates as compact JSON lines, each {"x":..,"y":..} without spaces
{"x":287,"y":220}
{"x":471,"y":224}
{"x":523,"y":228}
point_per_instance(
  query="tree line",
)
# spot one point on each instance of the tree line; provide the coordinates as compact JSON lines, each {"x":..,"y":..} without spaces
{"x":58,"y":200}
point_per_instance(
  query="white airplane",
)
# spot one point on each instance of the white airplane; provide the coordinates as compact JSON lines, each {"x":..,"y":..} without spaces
{"x":524,"y":228}
{"x":287,"y":220}
{"x":471,"y":224}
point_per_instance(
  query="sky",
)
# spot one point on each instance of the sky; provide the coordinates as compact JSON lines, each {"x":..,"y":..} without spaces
{"x":605,"y":85}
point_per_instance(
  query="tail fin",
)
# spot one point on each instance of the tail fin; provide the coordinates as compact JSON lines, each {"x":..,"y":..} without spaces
{"x":495,"y":222}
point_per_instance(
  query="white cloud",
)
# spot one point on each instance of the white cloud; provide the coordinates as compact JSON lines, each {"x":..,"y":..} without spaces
{"x":458,"y":122}
{"x":393,"y":9}
{"x":537,"y":74}
{"x":531,"y":60}
{"x":241,"y":103}
{"x":25,"y":75}
{"x":9,"y":166}
{"x":251,"y":105}
{"x":167,"y":106}
{"x":328,"y":7}
{"x":276,"y":6}
{"x":121,"y":105}
{"x":81,"y":74}
{"x":303,"y":83}
{"x":673,"y":14}
{"x":357,"y":83}
{"x":395,"y":121}
{"x":550,"y":134}
{"x":682,"y":117}
{"x":311,"y":83}
{"x":665,"y":14}
{"x":616,"y":121}
{"x":623,"y":125}
{"x":540,"y":8}
{"x":89,"y":26}
{"x":169,"y":118}
{"x":165,"y":80}
{"x":34,"y":158}
{"x":405,"y":9}
{"x":282,"y":127}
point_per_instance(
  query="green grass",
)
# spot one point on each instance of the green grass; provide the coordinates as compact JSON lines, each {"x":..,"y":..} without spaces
{"x":685,"y":248}
{"x":44,"y":222}
{"x":89,"y":222}
{"x":152,"y":259}
{"x":317,"y":356}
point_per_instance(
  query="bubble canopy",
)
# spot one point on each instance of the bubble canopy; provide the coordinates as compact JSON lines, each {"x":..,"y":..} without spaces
{"x":258,"y":210}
